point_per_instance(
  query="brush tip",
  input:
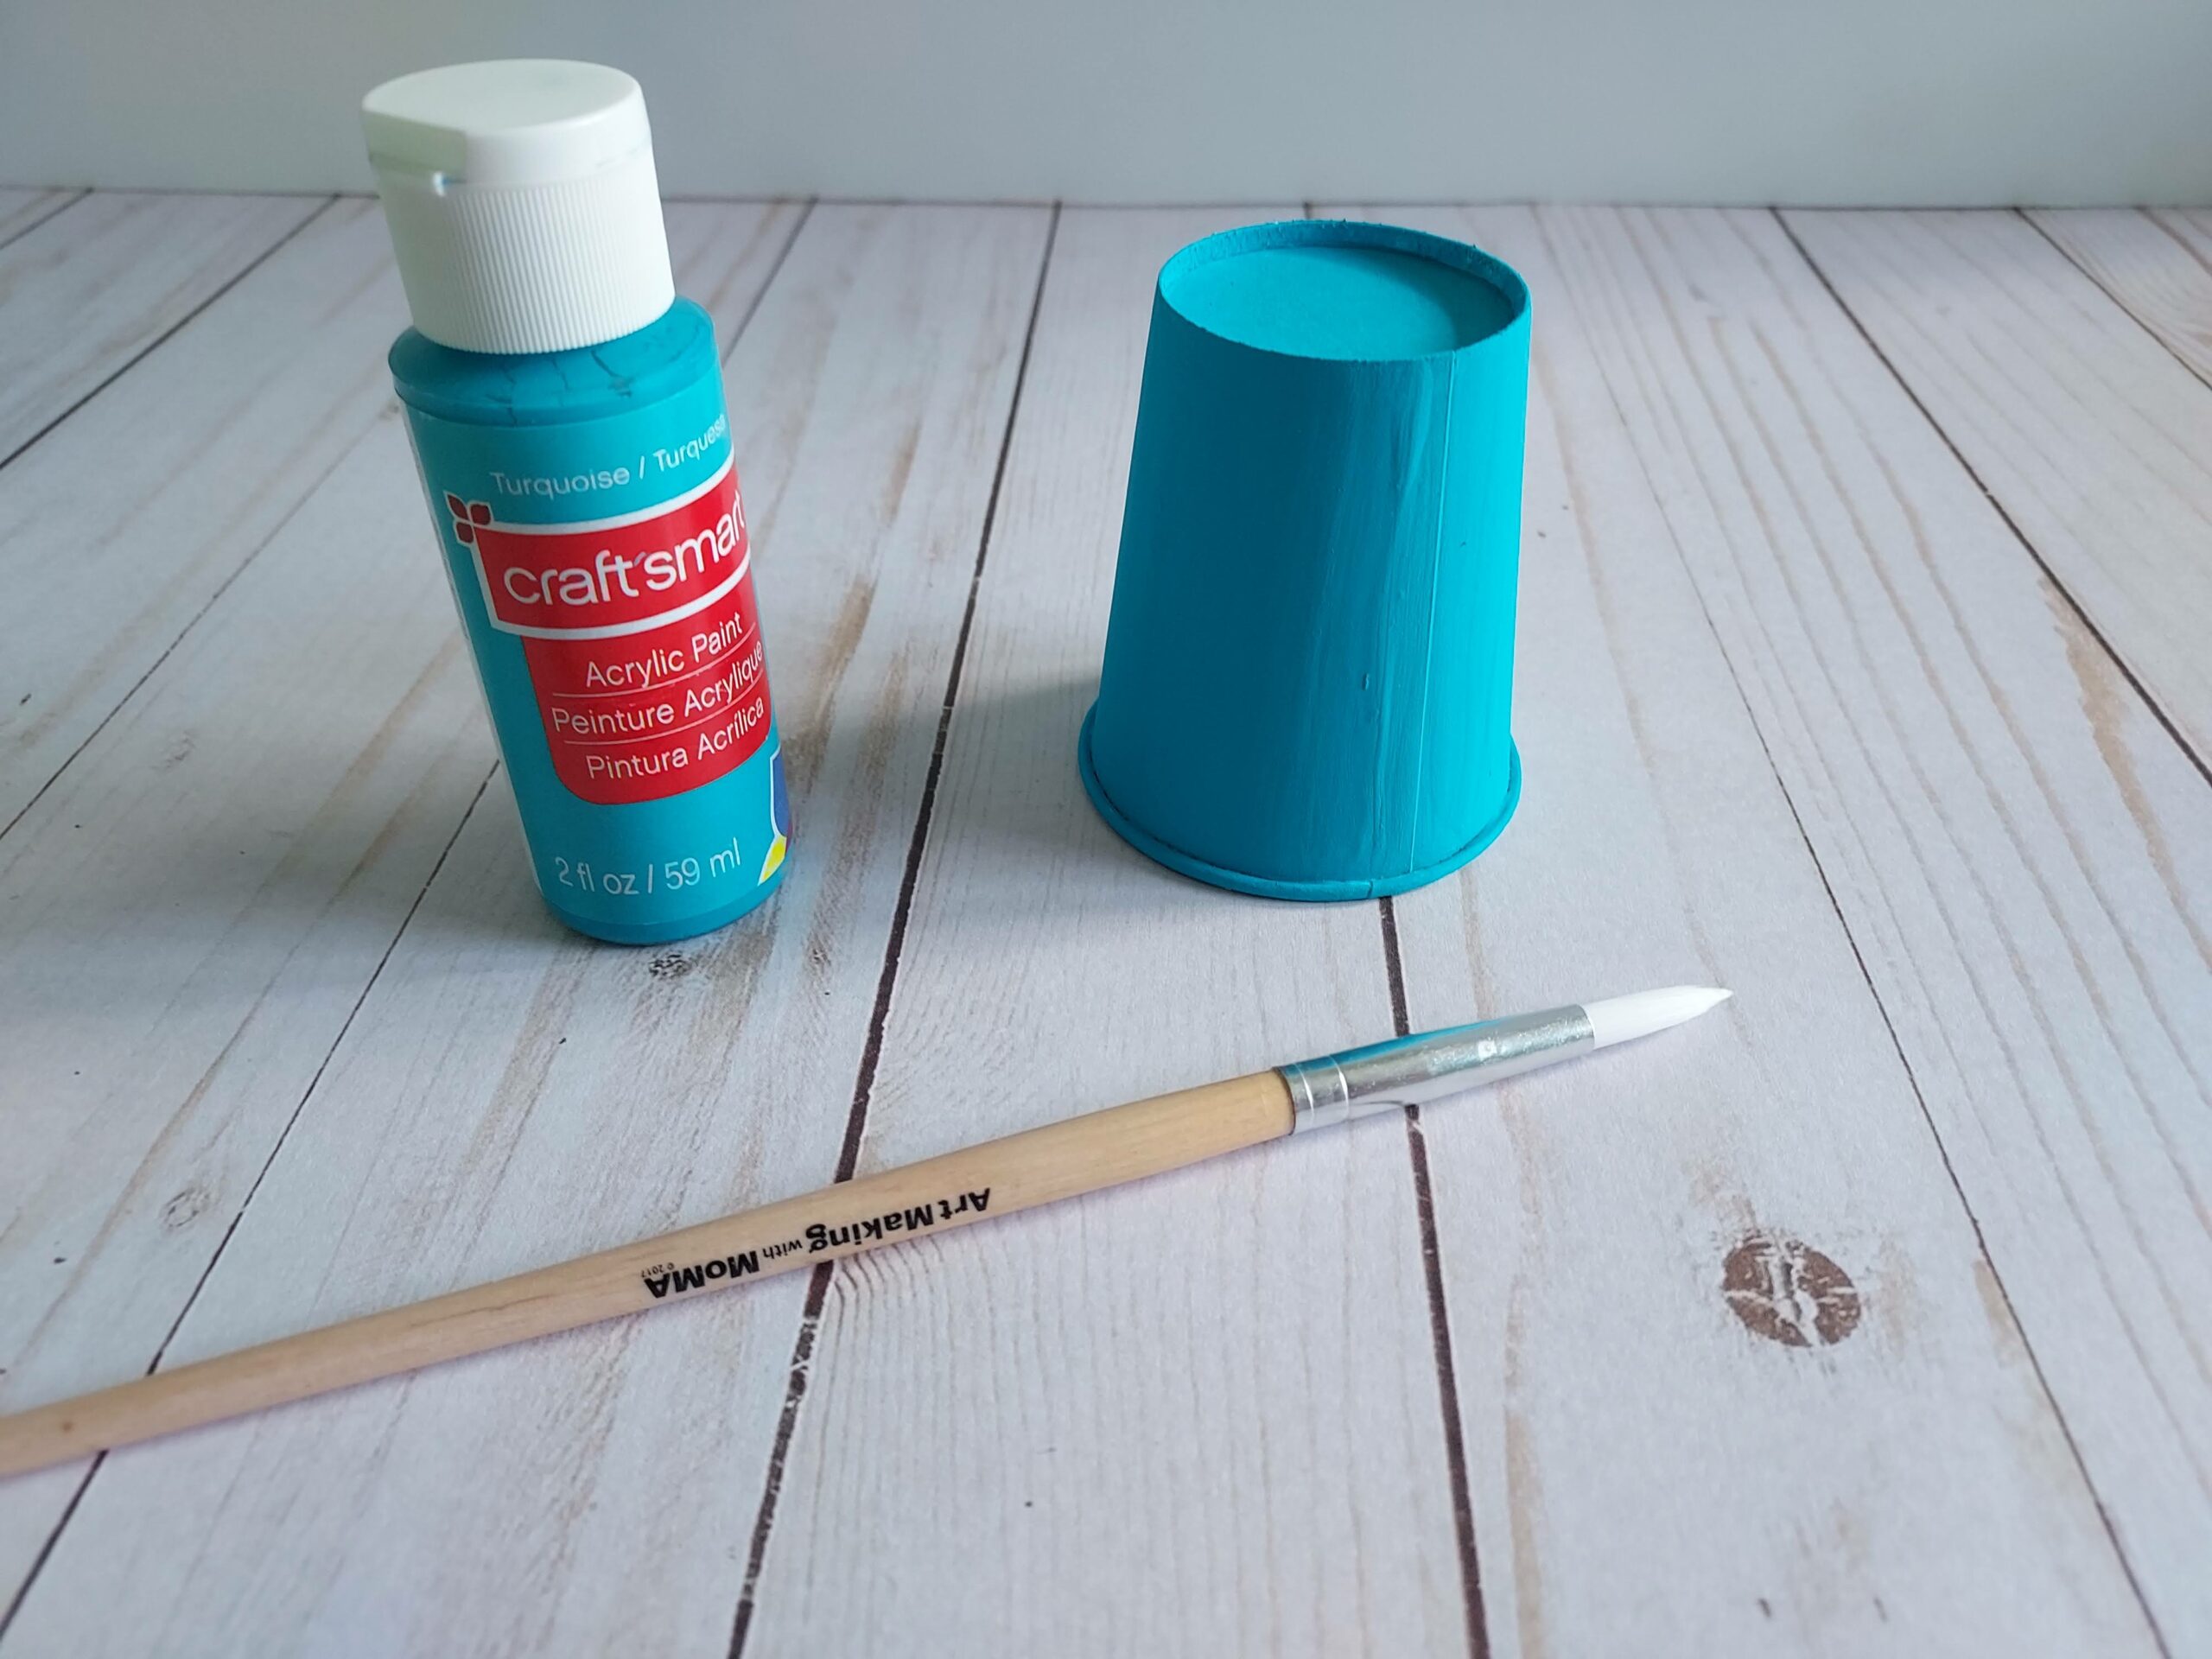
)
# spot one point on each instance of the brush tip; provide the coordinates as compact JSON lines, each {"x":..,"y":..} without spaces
{"x":1624,"y":1019}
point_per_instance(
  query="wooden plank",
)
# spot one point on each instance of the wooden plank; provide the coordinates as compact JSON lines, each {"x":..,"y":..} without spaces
{"x":21,"y":209}
{"x":2015,"y":845}
{"x":119,"y":527}
{"x":1220,"y":1384}
{"x":2095,"y":440}
{"x":1648,"y":1450}
{"x":194,"y":910}
{"x":83,"y":295}
{"x":2157,"y":262}
{"x":125,"y":521}
{"x":509,"y":1093}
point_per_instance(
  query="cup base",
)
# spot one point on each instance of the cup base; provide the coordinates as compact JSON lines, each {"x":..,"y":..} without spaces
{"x":1264,"y":886}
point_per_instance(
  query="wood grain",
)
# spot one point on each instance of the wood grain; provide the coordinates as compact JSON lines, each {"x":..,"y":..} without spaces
{"x":126,"y":521}
{"x":85,"y":293}
{"x":2014,"y":842}
{"x":193,"y":911}
{"x":119,"y":527}
{"x":1730,"y":1366}
{"x":20,"y":209}
{"x":1070,"y":1155}
{"x":984,"y":1450}
{"x":1870,"y":1315}
{"x":509,"y":1093}
{"x":195,"y":906}
{"x":2157,"y":262}
{"x":2095,"y":439}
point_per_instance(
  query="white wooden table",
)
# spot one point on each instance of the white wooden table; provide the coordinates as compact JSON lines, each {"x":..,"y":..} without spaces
{"x":1866,"y":592}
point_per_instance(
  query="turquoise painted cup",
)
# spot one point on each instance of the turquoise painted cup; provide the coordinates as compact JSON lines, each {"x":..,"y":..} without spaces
{"x":1308,"y":677}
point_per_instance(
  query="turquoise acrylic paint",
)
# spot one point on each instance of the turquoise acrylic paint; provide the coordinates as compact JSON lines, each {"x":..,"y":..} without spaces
{"x":1307,"y":691}
{"x":595,"y":537}
{"x":585,"y":496}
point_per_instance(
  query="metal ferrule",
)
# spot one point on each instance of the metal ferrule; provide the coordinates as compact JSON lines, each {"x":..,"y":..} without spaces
{"x":1430,"y":1065}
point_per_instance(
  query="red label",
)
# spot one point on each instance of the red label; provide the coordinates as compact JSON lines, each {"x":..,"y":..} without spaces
{"x":642,"y":638}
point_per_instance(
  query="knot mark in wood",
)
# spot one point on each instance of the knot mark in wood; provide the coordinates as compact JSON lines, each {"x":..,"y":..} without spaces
{"x":1788,"y":1292}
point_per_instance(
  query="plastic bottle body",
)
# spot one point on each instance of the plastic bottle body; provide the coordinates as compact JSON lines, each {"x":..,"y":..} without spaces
{"x":587,"y":507}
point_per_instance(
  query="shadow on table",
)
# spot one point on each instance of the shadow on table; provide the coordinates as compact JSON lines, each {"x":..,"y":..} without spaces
{"x":1009,"y":827}
{"x":1011,"y":831}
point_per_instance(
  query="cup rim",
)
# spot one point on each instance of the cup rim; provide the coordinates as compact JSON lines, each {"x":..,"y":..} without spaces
{"x":1349,"y":233}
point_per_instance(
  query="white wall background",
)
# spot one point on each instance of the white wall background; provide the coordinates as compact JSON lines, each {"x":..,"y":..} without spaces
{"x":1805,"y":101}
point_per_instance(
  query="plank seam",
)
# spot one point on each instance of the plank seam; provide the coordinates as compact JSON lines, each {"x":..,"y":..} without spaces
{"x":2112,"y":294}
{"x":468,"y":813}
{"x":314,"y":1081}
{"x":1997,"y":1277}
{"x":46,"y":1549}
{"x":292,"y":513}
{"x":1981,"y":1243}
{"x":1439,"y":1318}
{"x":771,"y":1486}
{"x":818,"y":1292}
{"x":184,"y":632}
{"x":1812,"y":852}
{"x":782,"y":254}
{"x":2155,"y":216}
{"x":46,"y":218}
{"x":69,"y":1510}
{"x":2127,"y":672}
{"x":170,"y":333}
{"x":206,"y":1272}
{"x":805,"y":212}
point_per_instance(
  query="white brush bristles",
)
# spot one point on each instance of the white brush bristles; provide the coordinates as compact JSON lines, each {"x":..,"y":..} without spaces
{"x":1624,"y":1019}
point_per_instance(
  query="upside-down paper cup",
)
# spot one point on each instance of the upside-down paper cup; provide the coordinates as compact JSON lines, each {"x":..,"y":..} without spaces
{"x":1307,"y":686}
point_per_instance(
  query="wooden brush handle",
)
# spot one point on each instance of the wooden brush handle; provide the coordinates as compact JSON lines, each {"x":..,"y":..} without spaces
{"x":1019,"y":1172}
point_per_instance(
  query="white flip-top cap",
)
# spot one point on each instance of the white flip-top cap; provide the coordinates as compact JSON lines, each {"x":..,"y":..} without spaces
{"x":522,"y":203}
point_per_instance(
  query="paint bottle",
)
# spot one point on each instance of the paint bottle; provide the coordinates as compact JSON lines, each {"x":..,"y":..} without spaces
{"x":568,"y":415}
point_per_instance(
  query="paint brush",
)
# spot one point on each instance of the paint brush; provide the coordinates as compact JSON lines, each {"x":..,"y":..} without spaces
{"x":1019,"y":1172}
